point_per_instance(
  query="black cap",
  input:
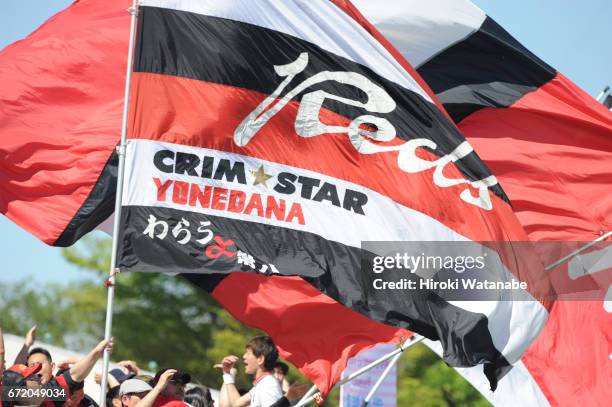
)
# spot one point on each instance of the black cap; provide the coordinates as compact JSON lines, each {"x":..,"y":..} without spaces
{"x":179,"y":377}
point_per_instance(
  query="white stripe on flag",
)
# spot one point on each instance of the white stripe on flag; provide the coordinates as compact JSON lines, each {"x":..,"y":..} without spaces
{"x":403,"y":23}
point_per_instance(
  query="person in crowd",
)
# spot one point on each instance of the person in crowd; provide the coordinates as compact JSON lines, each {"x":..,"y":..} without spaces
{"x":133,"y":391}
{"x":259,"y":358}
{"x":281,"y":370}
{"x":71,"y":378}
{"x":172,"y":392}
{"x":152,"y":397}
{"x":15,"y":376}
{"x":199,"y":396}
{"x":38,"y":373}
{"x":126,"y":369}
{"x":87,"y":401}
{"x":113,"y":399}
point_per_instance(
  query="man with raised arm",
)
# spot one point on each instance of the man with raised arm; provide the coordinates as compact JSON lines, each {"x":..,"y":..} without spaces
{"x":22,"y":356}
{"x":66,"y":384}
{"x":259,"y":359}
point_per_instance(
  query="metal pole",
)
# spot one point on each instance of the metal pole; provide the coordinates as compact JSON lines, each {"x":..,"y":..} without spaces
{"x":602,"y":95}
{"x":414,"y":340}
{"x":382,"y":377}
{"x":116,"y":223}
{"x":576,"y":252}
{"x":308,"y":394}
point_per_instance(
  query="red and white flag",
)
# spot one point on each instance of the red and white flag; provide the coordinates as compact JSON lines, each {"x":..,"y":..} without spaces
{"x":260,"y":147}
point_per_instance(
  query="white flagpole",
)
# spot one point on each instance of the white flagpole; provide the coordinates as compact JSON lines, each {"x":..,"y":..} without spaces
{"x":306,"y":397}
{"x":133,"y":11}
{"x":576,"y":252}
{"x":380,"y":380}
{"x":413,"y":341}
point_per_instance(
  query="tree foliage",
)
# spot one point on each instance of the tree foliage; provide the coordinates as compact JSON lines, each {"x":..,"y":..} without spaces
{"x":164,"y":319}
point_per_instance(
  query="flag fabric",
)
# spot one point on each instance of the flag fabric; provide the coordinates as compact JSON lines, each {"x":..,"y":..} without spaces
{"x":270,"y":138}
{"x":60,"y":119}
{"x":549,"y":144}
{"x":449,"y":194}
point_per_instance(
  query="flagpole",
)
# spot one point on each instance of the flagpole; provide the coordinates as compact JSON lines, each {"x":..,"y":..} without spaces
{"x":133,"y":11}
{"x":576,"y":252}
{"x":380,"y":380}
{"x":413,"y":341}
{"x":308,"y":395}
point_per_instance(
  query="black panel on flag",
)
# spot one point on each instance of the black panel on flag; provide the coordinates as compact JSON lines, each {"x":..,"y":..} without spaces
{"x":333,"y":268}
{"x":511,"y":72}
{"x":98,"y":206}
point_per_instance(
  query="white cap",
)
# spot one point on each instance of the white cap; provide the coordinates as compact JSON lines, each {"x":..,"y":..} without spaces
{"x":134,"y":386}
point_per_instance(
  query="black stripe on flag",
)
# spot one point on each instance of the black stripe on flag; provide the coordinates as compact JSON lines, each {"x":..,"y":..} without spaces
{"x":331,"y":267}
{"x":98,"y":206}
{"x":487,"y":69}
{"x":238,"y":54}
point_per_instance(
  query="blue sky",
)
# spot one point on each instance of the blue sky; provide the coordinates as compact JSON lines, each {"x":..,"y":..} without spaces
{"x":572,"y":36}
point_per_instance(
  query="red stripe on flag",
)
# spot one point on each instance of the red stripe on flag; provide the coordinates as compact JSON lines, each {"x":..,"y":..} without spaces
{"x":204,"y":114}
{"x":556,"y":161}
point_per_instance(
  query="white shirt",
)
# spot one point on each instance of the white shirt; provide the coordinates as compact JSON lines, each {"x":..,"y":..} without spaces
{"x":266,"y":391}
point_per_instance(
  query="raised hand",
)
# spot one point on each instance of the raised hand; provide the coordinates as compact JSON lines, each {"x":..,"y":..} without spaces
{"x":130,"y":365}
{"x":30,"y":337}
{"x":99,"y":349}
{"x":227,"y":363}
{"x":165,"y":378}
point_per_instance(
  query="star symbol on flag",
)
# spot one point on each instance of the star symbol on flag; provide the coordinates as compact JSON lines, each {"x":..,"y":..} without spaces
{"x":260,"y":176}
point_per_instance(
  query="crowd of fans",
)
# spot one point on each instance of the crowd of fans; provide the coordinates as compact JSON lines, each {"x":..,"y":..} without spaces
{"x":34,"y":379}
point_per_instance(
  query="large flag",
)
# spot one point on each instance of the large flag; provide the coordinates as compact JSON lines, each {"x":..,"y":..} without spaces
{"x":263,"y":147}
{"x":225,"y":91}
{"x":549,"y":144}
